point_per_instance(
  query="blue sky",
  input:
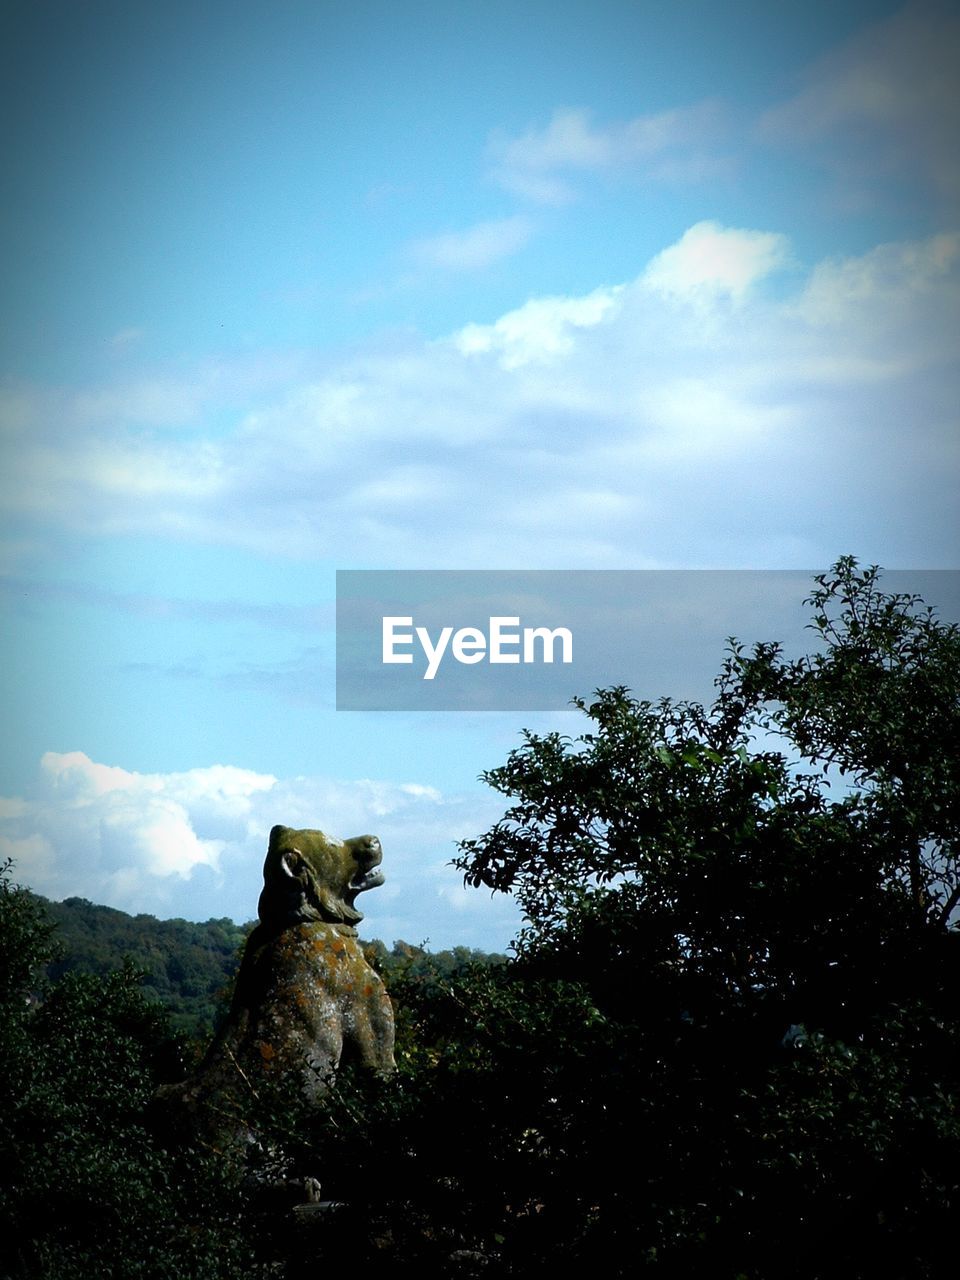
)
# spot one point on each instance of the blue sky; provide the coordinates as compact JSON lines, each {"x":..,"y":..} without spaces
{"x":301,"y":287}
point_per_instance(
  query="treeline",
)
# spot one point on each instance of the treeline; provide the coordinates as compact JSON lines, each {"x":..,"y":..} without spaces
{"x":186,"y":966}
{"x":189,"y":967}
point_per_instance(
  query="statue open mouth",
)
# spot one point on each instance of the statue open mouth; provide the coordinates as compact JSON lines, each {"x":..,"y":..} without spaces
{"x":367,"y":880}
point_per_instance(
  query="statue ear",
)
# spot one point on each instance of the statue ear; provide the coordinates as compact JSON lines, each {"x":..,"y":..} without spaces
{"x":291,"y":863}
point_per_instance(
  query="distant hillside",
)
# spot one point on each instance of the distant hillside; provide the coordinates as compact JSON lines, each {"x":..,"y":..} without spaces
{"x":189,"y":967}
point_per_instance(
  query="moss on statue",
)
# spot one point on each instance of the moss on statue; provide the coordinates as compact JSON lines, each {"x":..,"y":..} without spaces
{"x":305,"y":997}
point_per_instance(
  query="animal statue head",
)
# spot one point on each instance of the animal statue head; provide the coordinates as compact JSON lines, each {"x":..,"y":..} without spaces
{"x":309,"y":876}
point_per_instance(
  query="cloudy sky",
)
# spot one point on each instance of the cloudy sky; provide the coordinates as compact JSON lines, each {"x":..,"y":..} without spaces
{"x":304,"y":286}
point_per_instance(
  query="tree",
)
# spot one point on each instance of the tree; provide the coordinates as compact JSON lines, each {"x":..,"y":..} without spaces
{"x":86,"y":1186}
{"x":759,"y":897}
{"x":881,"y":703}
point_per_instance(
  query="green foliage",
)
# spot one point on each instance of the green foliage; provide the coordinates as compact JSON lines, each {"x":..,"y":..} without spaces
{"x":459,"y":1152}
{"x":86,"y":1187}
{"x":188,"y":967}
{"x":880,"y":703}
{"x":91,"y":1180}
{"x":26,"y":944}
{"x":776,"y":963}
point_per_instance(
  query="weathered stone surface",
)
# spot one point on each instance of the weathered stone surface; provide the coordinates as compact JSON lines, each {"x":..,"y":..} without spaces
{"x":305,"y":996}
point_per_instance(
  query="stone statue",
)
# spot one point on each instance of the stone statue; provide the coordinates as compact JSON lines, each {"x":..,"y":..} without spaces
{"x":305,"y":997}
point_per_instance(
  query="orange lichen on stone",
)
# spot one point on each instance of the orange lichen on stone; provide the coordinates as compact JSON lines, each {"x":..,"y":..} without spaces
{"x":305,"y":993}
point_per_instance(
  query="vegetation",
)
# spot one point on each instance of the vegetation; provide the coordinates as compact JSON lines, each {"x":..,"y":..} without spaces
{"x":186,"y":966}
{"x":189,"y":967}
{"x":728,"y":1047}
{"x":85,"y":1187}
{"x":759,"y":899}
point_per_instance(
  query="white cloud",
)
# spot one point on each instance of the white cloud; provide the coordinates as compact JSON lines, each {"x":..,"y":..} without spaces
{"x":76,"y":776}
{"x":541,"y":329}
{"x":713,"y":260}
{"x":33,"y":856}
{"x":886,"y":103}
{"x":192,"y":843}
{"x":475,"y":247}
{"x":540,"y":165}
{"x":141,"y":825}
{"x":880,"y":281}
{"x":687,"y":417}
{"x":161,"y":402}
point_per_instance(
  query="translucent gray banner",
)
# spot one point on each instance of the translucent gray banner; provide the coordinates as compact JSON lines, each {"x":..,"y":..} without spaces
{"x":529,"y":640}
